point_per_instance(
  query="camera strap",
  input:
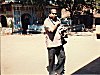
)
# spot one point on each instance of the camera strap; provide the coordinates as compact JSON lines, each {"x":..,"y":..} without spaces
{"x":52,"y":21}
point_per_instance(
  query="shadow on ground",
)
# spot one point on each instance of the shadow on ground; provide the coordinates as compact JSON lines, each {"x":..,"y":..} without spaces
{"x":91,"y":68}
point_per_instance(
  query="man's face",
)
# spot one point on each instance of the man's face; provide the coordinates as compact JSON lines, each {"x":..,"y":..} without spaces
{"x":53,"y":13}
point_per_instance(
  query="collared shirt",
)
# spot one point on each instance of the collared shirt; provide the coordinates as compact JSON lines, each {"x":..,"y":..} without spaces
{"x":53,"y":39}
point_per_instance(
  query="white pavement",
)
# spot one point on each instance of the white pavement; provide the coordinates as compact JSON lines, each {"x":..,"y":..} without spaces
{"x":81,"y":50}
{"x":27,"y":55}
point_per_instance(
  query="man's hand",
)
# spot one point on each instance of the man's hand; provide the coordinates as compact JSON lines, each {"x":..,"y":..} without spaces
{"x":57,"y":23}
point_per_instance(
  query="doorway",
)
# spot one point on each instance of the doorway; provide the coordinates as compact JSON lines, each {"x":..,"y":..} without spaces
{"x":25,"y":20}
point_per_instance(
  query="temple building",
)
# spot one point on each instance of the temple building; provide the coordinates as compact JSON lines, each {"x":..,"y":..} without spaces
{"x":16,"y":11}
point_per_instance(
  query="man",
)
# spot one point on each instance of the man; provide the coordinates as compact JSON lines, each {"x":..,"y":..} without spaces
{"x":54,"y":44}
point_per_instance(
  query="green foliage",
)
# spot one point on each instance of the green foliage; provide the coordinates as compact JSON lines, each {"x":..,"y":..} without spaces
{"x":11,"y":25}
{"x":97,"y":0}
{"x":98,"y":4}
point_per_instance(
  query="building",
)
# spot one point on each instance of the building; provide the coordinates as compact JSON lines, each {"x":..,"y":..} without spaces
{"x":16,"y":11}
{"x":35,"y":11}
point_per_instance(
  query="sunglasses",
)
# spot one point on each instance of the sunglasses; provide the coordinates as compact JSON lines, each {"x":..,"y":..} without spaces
{"x":54,"y":13}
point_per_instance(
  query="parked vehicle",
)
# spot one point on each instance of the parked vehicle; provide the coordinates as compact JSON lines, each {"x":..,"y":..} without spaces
{"x":35,"y":29}
{"x":72,"y":28}
{"x":17,"y":28}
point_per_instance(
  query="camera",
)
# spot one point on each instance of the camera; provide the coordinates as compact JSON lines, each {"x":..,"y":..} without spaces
{"x":63,"y":30}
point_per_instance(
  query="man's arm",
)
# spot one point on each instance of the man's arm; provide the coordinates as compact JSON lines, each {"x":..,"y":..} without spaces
{"x":51,"y":27}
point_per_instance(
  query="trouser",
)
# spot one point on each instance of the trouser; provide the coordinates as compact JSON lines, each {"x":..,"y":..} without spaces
{"x":24,"y":31}
{"x":60,"y":53}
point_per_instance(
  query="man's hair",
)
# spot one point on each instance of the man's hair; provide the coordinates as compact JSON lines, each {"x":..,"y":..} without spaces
{"x":50,"y":11}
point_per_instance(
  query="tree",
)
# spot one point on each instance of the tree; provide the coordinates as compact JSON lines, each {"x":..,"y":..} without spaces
{"x":79,"y":1}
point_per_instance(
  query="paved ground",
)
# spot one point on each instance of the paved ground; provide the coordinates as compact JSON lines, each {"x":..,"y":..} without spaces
{"x":81,"y":50}
{"x":27,"y":55}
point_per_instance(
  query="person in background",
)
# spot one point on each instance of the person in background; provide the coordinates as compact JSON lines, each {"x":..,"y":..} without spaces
{"x":25,"y":24}
{"x":54,"y":44}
